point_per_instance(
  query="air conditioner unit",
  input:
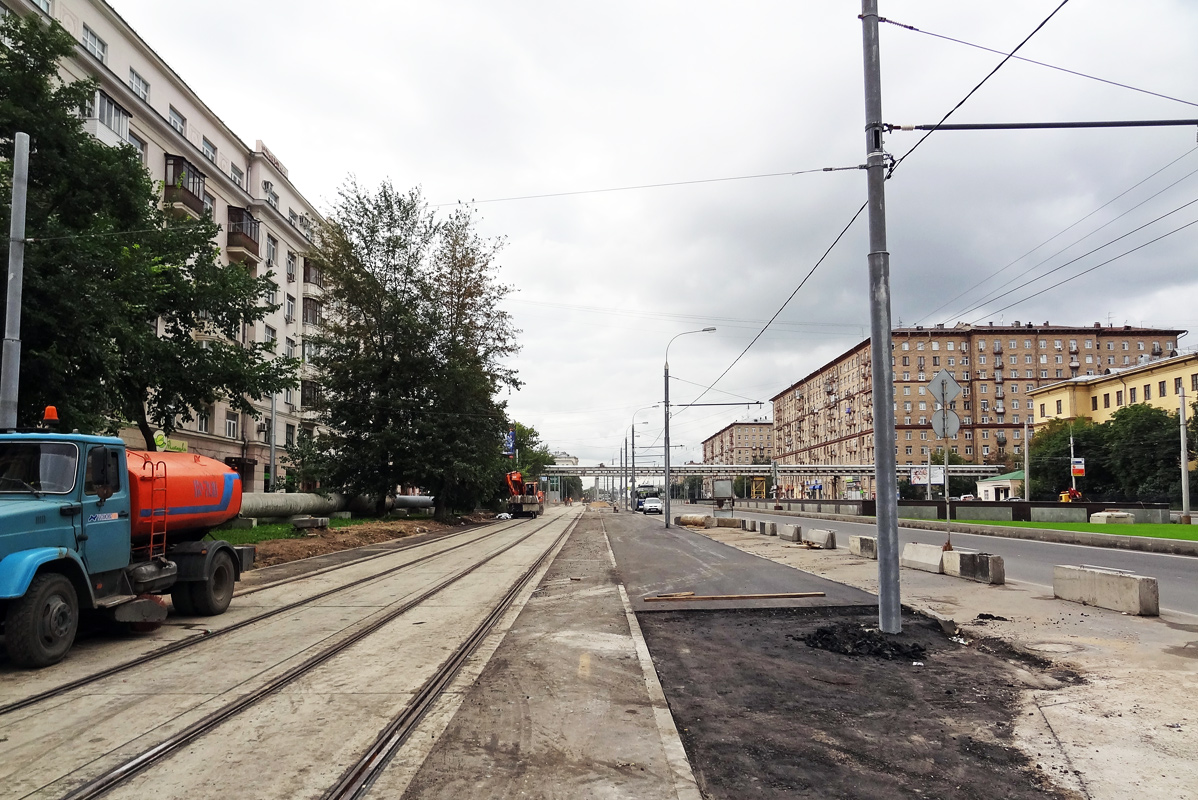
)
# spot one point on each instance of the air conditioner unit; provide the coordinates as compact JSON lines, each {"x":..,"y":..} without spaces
{"x":289,"y":318}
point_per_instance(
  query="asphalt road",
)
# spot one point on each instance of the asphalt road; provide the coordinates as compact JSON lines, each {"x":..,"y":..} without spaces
{"x":1030,"y":561}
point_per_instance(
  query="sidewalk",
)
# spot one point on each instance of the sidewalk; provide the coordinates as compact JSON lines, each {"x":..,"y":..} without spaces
{"x":1131,"y":728}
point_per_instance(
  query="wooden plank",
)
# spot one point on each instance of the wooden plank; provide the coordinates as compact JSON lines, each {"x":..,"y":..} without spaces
{"x":779,"y":596}
{"x":677,"y":594}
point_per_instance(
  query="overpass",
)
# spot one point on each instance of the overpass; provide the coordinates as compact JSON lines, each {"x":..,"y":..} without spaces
{"x":954,"y":470}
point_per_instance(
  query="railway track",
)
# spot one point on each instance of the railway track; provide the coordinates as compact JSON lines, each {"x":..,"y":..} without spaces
{"x":183,"y":644}
{"x":358,"y":778}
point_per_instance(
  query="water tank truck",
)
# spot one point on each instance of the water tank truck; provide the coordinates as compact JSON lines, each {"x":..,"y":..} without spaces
{"x":90,"y":526}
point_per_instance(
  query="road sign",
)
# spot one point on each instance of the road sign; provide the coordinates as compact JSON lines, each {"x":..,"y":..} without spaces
{"x":1077,"y":467}
{"x":944,"y":387}
{"x":945,"y":423}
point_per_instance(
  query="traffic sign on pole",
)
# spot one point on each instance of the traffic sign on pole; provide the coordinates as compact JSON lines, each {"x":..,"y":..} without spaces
{"x":944,"y":387}
{"x":945,"y":423}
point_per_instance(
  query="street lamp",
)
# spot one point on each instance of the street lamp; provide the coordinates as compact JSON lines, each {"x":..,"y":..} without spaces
{"x":667,"y":413}
{"x":632,"y":428}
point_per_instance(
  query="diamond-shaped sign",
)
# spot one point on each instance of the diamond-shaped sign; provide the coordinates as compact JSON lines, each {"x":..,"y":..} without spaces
{"x":944,"y":388}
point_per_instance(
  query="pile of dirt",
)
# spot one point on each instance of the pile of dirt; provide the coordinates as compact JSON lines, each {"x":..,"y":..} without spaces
{"x":280,"y":551}
{"x":855,"y":639}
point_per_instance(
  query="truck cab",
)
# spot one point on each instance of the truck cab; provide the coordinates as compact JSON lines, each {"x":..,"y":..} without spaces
{"x":69,"y":544}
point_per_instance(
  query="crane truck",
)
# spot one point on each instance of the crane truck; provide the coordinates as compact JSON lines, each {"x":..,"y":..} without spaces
{"x":525,"y":499}
{"x":90,"y":526}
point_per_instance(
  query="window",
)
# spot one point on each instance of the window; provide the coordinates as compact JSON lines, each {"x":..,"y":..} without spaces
{"x":952,"y":362}
{"x":138,"y":144}
{"x":1043,"y":373}
{"x":1106,"y":401}
{"x":1126,"y":346}
{"x":1042,"y":413}
{"x":289,"y":397}
{"x":906,"y":376}
{"x":289,"y":308}
{"x":291,"y":260}
{"x":1017,"y":451}
{"x":209,"y":205}
{"x":178,"y":121}
{"x":290,"y":429}
{"x":139,"y":85}
{"x":948,"y":346}
{"x":237,"y":175}
{"x":968,"y":450}
{"x":964,"y":360}
{"x":271,"y":334}
{"x":231,"y":424}
{"x":290,"y":349}
{"x":1168,"y":345}
{"x":1131,"y":395}
{"x":985,"y":449}
{"x":1177,"y":385}
{"x":935,"y":345}
{"x":109,"y":114}
{"x":981,"y":345}
{"x":906,"y":361}
{"x":202,"y":422}
{"x":312,"y":311}
{"x":1015,"y":404}
{"x":919,"y":345}
{"x":985,"y":434}
{"x":908,"y":449}
{"x":1059,"y":407}
{"x":209,"y":150}
{"x":906,"y":345}
{"x":1194,"y":381}
{"x":1044,"y":343}
{"x":272,"y":250}
{"x":272,"y":197}
{"x":95,"y":45}
{"x":923,"y":435}
{"x":981,"y":359}
{"x":907,"y":436}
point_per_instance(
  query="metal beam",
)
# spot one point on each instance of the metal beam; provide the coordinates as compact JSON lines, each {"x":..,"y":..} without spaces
{"x":954,"y":470}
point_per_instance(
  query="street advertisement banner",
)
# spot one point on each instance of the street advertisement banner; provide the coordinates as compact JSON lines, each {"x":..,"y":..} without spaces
{"x":919,"y":476}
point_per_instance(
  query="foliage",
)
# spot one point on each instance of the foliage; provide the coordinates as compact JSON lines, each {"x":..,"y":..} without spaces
{"x":414,"y":352}
{"x":307,"y":468}
{"x":114,"y":287}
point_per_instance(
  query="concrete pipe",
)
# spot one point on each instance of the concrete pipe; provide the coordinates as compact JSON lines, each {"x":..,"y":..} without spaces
{"x":290,"y":504}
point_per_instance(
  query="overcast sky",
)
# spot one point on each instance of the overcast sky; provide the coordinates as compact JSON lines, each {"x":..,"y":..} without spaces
{"x":486,"y":100}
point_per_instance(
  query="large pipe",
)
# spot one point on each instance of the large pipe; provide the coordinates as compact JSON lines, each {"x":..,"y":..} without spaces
{"x":277,"y":504}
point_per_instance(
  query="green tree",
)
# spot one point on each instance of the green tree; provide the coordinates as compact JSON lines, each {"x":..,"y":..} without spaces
{"x":1144,"y":453}
{"x":115,"y":289}
{"x":957,"y":486}
{"x":307,"y":468}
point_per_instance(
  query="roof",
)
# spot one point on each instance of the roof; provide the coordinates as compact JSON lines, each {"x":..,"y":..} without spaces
{"x":1117,"y":373}
{"x":1017,"y":475}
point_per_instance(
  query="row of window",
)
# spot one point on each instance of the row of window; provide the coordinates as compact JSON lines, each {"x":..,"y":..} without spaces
{"x":1058,"y":344}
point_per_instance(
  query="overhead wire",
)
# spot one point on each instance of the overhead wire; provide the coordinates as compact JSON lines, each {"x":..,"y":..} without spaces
{"x":895,"y":164}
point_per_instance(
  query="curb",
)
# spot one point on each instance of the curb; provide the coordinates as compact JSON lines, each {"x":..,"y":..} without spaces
{"x":1145,"y":544}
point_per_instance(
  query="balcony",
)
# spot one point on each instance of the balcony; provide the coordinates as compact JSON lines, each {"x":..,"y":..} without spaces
{"x":184,"y":191}
{"x":312,"y":275}
{"x":242,"y":242}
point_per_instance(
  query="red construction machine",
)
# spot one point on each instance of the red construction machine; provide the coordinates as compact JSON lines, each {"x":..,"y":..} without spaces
{"x":525,"y":500}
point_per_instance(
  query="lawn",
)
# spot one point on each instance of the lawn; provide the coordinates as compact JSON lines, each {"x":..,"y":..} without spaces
{"x":1188,"y":532}
{"x":283,"y":530}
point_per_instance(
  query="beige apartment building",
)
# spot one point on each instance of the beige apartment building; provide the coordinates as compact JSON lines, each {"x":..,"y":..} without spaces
{"x":207,"y":169}
{"x":749,"y":441}
{"x":1161,"y":382}
{"x":827,"y":417}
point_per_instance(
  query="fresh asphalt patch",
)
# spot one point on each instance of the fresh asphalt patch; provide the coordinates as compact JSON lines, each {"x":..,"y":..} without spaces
{"x":762,"y":713}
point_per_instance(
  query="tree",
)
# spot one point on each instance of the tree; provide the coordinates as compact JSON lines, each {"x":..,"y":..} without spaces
{"x":1144,"y":453}
{"x":413,"y":355}
{"x":115,"y":288}
{"x":957,"y":486}
{"x":307,"y":468}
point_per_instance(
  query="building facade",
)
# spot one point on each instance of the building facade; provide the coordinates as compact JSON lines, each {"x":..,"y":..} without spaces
{"x":749,"y":441}
{"x":1158,"y":382}
{"x":827,"y":417}
{"x":206,"y":169}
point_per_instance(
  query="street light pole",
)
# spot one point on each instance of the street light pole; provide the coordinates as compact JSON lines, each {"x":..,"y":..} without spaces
{"x":667,"y":414}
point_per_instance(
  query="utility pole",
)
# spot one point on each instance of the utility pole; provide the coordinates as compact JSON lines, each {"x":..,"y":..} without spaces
{"x":885,"y":470}
{"x":10,"y":369}
{"x":632,"y":491}
{"x":274,"y":475}
{"x":1072,"y":477}
{"x":929,"y":471}
{"x":1185,"y":465}
{"x":1027,"y":461}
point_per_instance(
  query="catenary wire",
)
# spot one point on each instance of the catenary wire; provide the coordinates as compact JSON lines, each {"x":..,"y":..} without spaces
{"x":1037,"y":63}
{"x":1062,"y":232}
{"x":648,"y":186}
{"x":952,"y":110}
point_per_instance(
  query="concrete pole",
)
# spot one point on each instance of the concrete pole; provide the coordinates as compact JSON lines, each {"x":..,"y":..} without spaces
{"x":10,"y":368}
{"x":1027,"y":461}
{"x":274,"y":464}
{"x":881,"y":350}
{"x":1072,"y":477}
{"x":1185,"y":464}
{"x":929,"y":493}
{"x":632,"y":490}
{"x":667,"y":503}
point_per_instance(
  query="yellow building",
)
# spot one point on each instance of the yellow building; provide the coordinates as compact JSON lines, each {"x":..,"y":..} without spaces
{"x":1160,"y":382}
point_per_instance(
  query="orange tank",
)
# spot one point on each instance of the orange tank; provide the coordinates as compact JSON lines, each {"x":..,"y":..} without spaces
{"x":201,"y":492}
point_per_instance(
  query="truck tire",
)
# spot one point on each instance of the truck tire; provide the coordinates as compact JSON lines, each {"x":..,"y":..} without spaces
{"x":41,"y":626}
{"x":212,"y":596}
{"x":181,"y":599}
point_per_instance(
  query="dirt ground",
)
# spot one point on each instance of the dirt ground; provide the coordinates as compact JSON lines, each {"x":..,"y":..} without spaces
{"x":763,"y":714}
{"x":331,"y":540}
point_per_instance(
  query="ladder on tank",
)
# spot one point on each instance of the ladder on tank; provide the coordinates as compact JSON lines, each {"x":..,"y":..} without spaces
{"x":157,"y":478}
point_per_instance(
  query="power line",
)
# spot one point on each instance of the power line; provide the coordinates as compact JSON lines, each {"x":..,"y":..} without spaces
{"x":1083,"y":255}
{"x":951,"y":111}
{"x":1096,"y":266}
{"x":649,"y":186}
{"x":1038,"y":63}
{"x":1061,"y":233}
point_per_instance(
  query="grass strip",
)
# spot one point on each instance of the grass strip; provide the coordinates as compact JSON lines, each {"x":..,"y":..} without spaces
{"x":284,"y":530}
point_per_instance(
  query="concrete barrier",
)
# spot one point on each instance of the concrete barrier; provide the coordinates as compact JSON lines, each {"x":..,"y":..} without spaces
{"x":1112,"y":518}
{"x":751,"y":525}
{"x":727,"y":522}
{"x":1059,"y":514}
{"x":864,"y":546}
{"x":791,"y":533}
{"x":1117,"y":591}
{"x":821,"y":538}
{"x":309,"y":523}
{"x":980,"y":567}
{"x":926,"y":557}
{"x":767,"y":528}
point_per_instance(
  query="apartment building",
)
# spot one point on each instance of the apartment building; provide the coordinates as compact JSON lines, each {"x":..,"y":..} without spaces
{"x":749,"y":441}
{"x":266,"y":223}
{"x":827,"y":416}
{"x":1161,"y":382}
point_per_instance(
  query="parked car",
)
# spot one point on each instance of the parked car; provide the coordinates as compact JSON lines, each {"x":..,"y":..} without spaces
{"x":652,"y":505}
{"x":964,"y":497}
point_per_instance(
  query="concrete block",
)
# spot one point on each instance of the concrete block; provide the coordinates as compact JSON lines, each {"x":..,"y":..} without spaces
{"x":727,"y":522}
{"x":864,"y":546}
{"x":341,"y":515}
{"x":1062,"y":513}
{"x":980,"y":567}
{"x":989,"y":513}
{"x":242,"y":523}
{"x":1112,"y":518}
{"x":821,"y":538}
{"x":791,"y":533}
{"x":1131,"y":594}
{"x":767,"y":528}
{"x":926,"y":557}
{"x":309,"y":523}
{"x":919,"y":512}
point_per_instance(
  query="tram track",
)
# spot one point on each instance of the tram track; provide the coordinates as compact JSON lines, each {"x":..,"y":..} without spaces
{"x":183,"y":644}
{"x":114,"y":777}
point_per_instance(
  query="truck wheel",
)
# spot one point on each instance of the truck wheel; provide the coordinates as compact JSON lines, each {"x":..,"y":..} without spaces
{"x":41,"y":626}
{"x":181,"y":599}
{"x":212,"y":597}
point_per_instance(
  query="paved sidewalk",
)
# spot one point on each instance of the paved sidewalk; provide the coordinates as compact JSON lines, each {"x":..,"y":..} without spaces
{"x":1130,"y":730}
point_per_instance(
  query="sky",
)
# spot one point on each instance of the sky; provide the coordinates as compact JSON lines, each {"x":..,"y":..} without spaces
{"x":485,"y":101}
